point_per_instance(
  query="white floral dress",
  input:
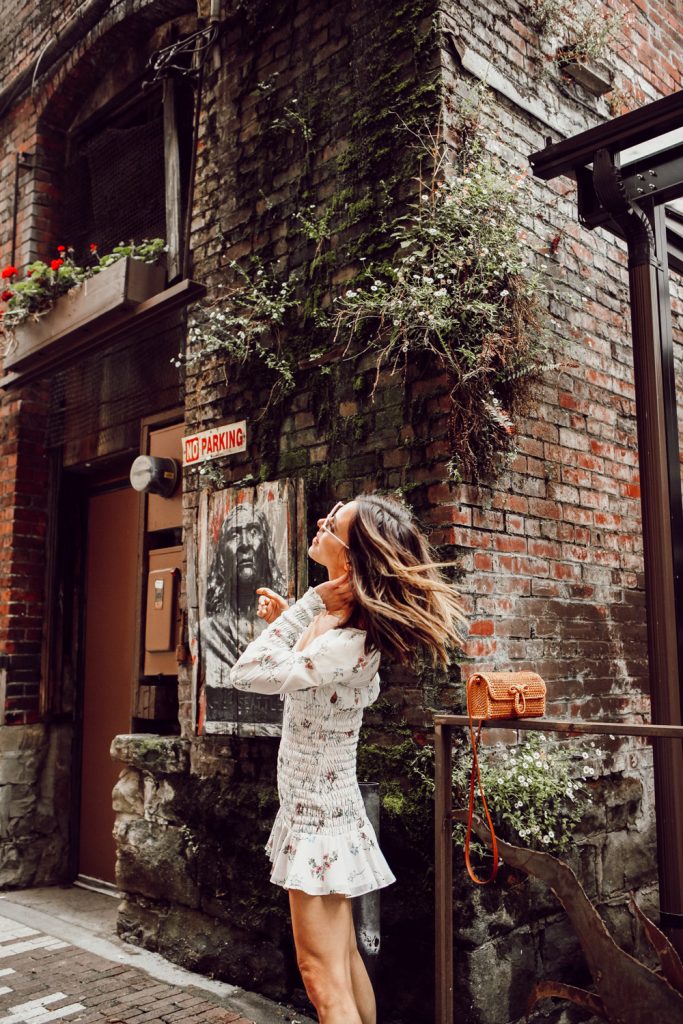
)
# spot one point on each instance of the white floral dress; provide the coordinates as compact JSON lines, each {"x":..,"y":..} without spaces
{"x":322,"y":841}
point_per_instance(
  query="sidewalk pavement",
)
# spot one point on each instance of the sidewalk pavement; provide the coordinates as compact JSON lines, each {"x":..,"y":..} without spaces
{"x":61,"y":960}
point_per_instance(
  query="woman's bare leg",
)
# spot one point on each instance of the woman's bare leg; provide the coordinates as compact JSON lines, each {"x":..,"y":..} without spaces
{"x":321,"y":927}
{"x":361,"y":984}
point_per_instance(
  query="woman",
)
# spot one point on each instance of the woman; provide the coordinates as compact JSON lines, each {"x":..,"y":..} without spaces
{"x":384,"y":595}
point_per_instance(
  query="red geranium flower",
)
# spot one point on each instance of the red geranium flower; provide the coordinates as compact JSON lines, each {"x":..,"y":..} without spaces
{"x":6,"y":295}
{"x":9,"y":272}
{"x":56,"y":264}
{"x":93,"y":247}
{"x":61,"y":248}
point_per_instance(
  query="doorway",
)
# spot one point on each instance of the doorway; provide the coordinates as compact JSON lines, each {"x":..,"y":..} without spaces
{"x":111,"y":585}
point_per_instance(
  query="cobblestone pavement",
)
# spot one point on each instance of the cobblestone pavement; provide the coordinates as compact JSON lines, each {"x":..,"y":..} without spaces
{"x":45,"y":978}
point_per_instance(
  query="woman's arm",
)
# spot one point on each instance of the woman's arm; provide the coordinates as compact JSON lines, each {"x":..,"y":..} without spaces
{"x":335,"y":656}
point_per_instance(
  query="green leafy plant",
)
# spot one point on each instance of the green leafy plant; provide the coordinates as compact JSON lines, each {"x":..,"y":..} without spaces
{"x":43,"y":283}
{"x":460,"y":288}
{"x":247,"y":323}
{"x":535,"y":790}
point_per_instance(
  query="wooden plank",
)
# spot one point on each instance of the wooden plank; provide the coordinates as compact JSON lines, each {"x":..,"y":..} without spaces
{"x":172,"y":179}
{"x":122,"y":285}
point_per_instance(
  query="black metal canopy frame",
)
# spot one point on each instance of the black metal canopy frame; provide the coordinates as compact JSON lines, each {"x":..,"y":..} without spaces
{"x":629,"y":173}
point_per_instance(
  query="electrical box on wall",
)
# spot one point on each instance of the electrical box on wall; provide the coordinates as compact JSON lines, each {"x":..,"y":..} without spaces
{"x":166,"y":513}
{"x":162,"y":614}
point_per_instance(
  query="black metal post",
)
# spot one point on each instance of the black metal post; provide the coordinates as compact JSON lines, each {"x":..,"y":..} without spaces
{"x":650,"y":339}
{"x":670,"y":422}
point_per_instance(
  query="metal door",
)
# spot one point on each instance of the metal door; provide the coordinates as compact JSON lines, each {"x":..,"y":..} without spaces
{"x":110,"y":630}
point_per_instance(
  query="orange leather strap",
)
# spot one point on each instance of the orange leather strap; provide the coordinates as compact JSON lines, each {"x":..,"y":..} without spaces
{"x":476,"y":779}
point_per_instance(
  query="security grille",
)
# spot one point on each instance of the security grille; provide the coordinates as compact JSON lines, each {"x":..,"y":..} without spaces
{"x":114,"y":181}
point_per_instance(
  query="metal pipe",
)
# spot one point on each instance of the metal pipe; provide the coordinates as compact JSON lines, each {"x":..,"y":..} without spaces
{"x":15,"y":206}
{"x":367,"y":907}
{"x":79,"y":24}
{"x":443,"y":873}
{"x":571,"y":727}
{"x":652,"y":342}
{"x":659,"y":215}
{"x":662,"y":625}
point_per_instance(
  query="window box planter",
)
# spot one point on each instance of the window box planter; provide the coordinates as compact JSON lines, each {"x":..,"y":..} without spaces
{"x":87,"y":307}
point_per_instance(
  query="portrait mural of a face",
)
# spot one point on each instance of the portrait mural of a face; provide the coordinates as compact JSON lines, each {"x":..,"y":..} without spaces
{"x":246,"y":539}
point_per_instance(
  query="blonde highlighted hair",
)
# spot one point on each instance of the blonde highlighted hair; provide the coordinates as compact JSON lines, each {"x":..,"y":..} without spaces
{"x":404,"y":602}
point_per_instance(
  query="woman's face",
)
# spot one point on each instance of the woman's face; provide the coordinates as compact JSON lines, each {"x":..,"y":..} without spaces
{"x":330,"y":544}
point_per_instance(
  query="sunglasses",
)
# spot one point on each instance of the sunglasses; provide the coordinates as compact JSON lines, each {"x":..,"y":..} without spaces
{"x":325,"y":525}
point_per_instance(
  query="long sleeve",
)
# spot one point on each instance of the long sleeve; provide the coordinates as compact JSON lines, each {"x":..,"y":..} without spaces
{"x":270,"y":665}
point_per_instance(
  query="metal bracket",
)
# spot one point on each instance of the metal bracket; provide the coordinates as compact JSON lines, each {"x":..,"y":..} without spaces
{"x":184,"y":58}
{"x":633,"y":222}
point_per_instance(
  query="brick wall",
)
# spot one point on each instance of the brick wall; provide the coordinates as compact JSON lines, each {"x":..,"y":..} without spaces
{"x":23,"y":527}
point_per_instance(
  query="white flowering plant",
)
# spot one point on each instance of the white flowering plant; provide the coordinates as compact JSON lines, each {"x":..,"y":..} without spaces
{"x":246,"y":322}
{"x":461,"y":289}
{"x":535,"y":790}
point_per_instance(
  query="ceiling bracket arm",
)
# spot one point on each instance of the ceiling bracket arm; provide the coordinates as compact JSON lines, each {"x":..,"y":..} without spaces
{"x":628,"y":215}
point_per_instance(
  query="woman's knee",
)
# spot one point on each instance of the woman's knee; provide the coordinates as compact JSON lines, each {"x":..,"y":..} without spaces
{"x":323,"y":984}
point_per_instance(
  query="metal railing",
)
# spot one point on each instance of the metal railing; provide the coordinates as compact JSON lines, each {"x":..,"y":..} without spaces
{"x":443,"y":821}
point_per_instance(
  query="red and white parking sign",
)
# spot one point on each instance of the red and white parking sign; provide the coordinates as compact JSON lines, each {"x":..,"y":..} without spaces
{"x":213,"y":444}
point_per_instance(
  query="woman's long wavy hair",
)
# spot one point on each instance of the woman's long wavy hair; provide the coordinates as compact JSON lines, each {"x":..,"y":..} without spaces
{"x":404,"y":602}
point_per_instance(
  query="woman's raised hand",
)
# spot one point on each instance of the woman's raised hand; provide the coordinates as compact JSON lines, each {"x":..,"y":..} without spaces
{"x":270,"y":605}
{"x":337,"y":596}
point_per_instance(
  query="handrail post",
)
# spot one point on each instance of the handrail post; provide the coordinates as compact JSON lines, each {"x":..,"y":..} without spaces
{"x":443,"y":882}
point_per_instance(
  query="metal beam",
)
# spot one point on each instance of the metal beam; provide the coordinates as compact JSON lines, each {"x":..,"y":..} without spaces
{"x":658,"y":178}
{"x":620,"y":133}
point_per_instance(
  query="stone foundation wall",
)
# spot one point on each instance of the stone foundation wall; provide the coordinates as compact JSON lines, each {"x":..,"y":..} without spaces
{"x":192,"y":819}
{"x":35,"y":781}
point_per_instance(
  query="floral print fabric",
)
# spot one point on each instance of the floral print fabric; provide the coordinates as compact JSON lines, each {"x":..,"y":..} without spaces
{"x":322,"y":841}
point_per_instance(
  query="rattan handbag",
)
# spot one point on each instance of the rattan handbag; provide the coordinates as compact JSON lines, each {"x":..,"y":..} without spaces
{"x":497,"y":695}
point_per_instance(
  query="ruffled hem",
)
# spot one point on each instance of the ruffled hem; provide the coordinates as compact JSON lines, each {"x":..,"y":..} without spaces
{"x":348,"y":864}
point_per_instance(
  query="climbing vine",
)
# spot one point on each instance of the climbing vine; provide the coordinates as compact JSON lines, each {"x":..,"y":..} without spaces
{"x":460,"y":289}
{"x":244,"y":324}
{"x":447,"y":281}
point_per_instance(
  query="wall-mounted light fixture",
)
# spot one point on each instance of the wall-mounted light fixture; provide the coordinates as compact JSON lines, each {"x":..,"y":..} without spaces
{"x":152,"y":475}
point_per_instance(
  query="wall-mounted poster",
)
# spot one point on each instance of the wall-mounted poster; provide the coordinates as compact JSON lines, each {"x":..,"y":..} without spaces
{"x":247,"y":538}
